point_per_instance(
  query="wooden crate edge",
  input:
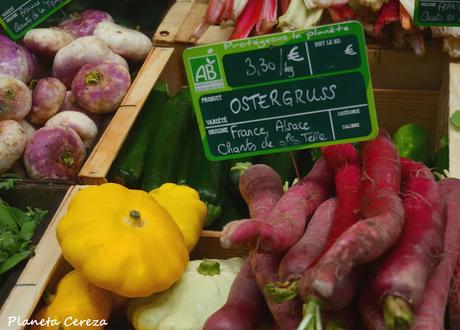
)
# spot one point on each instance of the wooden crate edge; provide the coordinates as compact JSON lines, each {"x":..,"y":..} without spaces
{"x":105,"y":151}
{"x":454,"y":105}
{"x":32,"y":282}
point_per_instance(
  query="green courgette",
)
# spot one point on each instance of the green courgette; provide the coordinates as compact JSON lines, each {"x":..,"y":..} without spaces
{"x":205,"y":176}
{"x":128,"y":167}
{"x":162,"y":159}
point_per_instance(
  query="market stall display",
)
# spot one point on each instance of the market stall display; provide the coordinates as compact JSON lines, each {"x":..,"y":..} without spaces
{"x":161,"y":237}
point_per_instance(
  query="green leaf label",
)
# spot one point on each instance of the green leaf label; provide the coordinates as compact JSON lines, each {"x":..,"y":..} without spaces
{"x":19,"y":16}
{"x":437,"y":13}
{"x":281,"y":92}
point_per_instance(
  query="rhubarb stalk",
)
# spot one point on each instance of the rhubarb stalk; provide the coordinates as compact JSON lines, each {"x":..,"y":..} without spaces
{"x":284,"y":5}
{"x":341,"y":13}
{"x":389,"y":13}
{"x":268,"y":17}
{"x":247,"y":20}
{"x":213,"y":13}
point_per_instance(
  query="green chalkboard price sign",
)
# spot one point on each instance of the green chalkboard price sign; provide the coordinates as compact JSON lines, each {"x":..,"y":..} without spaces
{"x":280,"y":92}
{"x":19,"y":16}
{"x":437,"y":13}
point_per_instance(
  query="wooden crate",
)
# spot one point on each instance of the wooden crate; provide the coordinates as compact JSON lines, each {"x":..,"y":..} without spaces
{"x":47,"y":267}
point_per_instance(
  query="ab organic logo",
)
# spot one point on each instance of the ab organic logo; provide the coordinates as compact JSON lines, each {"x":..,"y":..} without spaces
{"x":206,"y":73}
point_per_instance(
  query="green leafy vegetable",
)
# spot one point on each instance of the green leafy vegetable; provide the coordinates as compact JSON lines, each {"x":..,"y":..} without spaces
{"x":16,"y":230}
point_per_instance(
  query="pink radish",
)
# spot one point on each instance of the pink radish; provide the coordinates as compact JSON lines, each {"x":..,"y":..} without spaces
{"x":261,"y":188}
{"x":371,"y":312}
{"x":430,"y":312}
{"x":401,"y":276}
{"x":382,"y":209}
{"x":311,"y":245}
{"x":454,"y":299}
{"x":286,"y":223}
{"x":346,"y":162}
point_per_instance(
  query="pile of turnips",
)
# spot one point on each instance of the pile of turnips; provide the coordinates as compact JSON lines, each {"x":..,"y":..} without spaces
{"x":51,"y":118}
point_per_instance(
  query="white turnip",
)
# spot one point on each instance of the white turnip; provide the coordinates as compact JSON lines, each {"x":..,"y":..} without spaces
{"x":54,"y":153}
{"x":79,"y":122}
{"x":28,"y":128}
{"x":13,"y":140}
{"x":129,"y":43}
{"x":47,"y":41}
{"x":47,"y":98}
{"x":71,"y":58}
{"x":100,"y":87}
{"x":15,"y":98}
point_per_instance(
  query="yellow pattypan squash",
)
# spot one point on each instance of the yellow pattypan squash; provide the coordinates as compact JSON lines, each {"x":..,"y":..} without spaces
{"x":78,"y":304}
{"x":122,"y":240}
{"x":185,"y":207}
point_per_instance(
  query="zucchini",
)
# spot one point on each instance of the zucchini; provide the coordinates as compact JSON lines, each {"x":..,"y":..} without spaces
{"x":205,"y":176}
{"x":128,"y":166}
{"x":162,"y":158}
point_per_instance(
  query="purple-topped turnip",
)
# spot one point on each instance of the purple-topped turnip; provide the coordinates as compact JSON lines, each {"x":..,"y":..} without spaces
{"x":79,"y":122}
{"x":14,"y":61}
{"x":15,"y":98}
{"x":13,"y":140}
{"x":84,"y":23}
{"x":81,"y":51}
{"x":47,"y":98}
{"x":100,"y":87}
{"x":129,"y":43}
{"x":47,"y":41}
{"x":70,"y":104}
{"x":54,"y":153}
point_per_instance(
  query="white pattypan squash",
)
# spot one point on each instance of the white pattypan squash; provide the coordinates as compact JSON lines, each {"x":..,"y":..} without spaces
{"x":202,"y":290}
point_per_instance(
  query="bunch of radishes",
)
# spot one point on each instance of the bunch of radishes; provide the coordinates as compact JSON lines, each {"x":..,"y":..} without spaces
{"x":367,"y":229}
{"x":53,"y":120}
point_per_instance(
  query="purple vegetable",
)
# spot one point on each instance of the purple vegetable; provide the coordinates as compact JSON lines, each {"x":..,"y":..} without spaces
{"x":54,"y":153}
{"x":47,"y":98}
{"x":100,"y":87}
{"x":47,"y":42}
{"x":81,"y":51}
{"x":70,"y":104}
{"x":84,"y":23}
{"x":14,"y":60}
{"x":15,"y":98}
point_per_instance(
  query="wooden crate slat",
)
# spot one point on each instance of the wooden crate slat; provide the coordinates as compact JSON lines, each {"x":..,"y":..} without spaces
{"x":37,"y":273}
{"x":454,"y":133}
{"x":191,"y":21}
{"x":167,"y":31}
{"x":104,"y":153}
{"x":398,"y":107}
